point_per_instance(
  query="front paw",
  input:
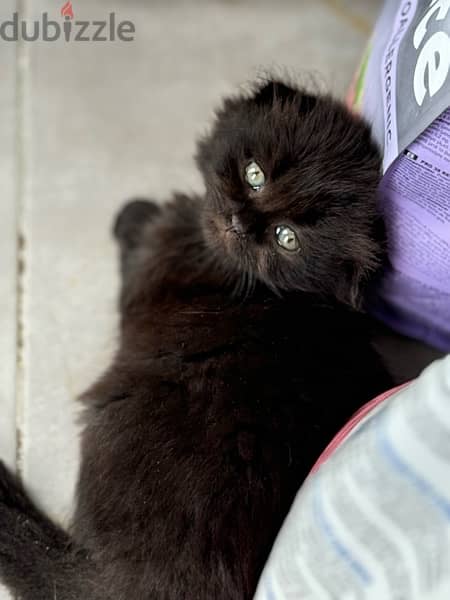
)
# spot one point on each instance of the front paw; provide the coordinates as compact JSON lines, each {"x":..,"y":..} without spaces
{"x":131,"y":219}
{"x":12,"y":494}
{"x":16,"y":514}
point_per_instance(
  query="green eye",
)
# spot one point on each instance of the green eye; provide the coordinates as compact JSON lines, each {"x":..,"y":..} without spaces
{"x":254,"y":176}
{"x":287,"y":238}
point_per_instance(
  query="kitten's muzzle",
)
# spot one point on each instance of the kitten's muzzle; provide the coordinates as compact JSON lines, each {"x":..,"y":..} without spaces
{"x":237,"y":226}
{"x":241,"y":224}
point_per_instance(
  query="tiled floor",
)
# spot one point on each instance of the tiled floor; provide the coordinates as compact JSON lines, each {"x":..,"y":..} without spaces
{"x":86,"y":125}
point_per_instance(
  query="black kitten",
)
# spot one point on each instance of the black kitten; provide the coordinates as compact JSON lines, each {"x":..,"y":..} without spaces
{"x":239,"y":359}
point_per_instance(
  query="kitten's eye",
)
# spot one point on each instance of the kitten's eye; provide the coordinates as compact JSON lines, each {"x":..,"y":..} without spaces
{"x":287,"y":238}
{"x":254,"y":176}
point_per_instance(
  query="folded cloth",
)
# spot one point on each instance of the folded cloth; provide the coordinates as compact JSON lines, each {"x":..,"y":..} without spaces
{"x":372,"y":521}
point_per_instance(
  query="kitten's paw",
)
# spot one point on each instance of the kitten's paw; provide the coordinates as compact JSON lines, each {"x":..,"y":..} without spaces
{"x":12,"y":495}
{"x":36,"y":556}
{"x":131,"y":218}
{"x":16,"y":515}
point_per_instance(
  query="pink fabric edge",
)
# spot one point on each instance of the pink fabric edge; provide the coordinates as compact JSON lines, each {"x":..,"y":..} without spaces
{"x":348,"y":427}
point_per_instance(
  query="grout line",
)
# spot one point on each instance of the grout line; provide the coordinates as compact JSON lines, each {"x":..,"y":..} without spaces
{"x":355,"y":21}
{"x":22,"y":97}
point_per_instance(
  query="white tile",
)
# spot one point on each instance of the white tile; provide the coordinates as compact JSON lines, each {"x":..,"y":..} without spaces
{"x":112,"y":120}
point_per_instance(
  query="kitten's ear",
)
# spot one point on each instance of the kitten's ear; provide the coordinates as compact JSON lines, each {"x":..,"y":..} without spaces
{"x":276,"y":91}
{"x":272,"y":91}
{"x":359,"y":272}
{"x":350,"y":289}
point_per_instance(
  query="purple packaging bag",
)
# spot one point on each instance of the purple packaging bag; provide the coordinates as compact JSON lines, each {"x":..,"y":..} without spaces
{"x":403,"y":90}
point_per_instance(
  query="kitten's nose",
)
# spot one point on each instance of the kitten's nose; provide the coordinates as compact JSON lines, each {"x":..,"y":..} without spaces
{"x":237,"y":225}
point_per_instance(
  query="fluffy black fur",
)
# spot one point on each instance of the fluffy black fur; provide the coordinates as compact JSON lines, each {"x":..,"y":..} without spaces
{"x":238,"y":361}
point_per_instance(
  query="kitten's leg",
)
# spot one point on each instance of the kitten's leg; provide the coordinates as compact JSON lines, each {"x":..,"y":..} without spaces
{"x":37,"y":558}
{"x":129,"y":225}
{"x":161,"y":247}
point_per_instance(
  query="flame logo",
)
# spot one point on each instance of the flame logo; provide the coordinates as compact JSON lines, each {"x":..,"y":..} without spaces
{"x":67,"y":10}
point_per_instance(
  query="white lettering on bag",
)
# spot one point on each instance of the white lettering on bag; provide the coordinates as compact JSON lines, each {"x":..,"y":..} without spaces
{"x":434,"y":57}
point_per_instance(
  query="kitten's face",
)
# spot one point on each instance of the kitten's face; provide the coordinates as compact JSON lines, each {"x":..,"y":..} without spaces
{"x":290,"y":200}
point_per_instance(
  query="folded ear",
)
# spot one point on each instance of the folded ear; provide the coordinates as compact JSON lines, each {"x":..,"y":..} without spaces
{"x":350,"y":286}
{"x":274,"y":91}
